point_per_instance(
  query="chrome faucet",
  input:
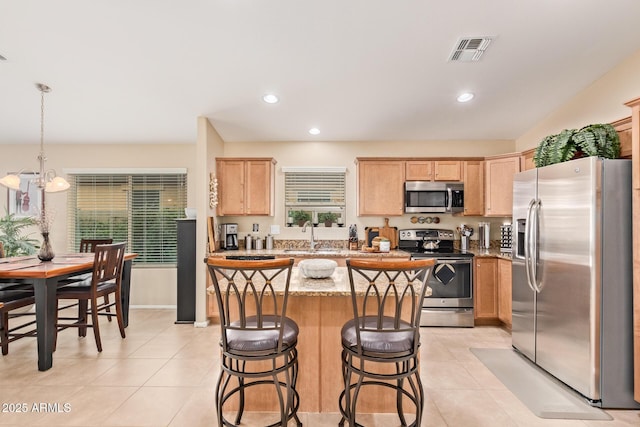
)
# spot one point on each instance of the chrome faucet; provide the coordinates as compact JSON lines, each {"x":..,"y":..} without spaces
{"x":312,"y":242}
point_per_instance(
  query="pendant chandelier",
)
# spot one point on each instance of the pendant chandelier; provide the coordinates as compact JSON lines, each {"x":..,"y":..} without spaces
{"x":46,"y":180}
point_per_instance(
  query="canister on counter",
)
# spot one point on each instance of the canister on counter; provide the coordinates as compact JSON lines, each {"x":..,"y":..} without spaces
{"x":269,"y":244}
{"x":247,"y":242}
{"x":258,"y":243}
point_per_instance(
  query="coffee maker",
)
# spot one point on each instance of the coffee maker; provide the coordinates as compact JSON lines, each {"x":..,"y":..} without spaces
{"x":229,"y":237}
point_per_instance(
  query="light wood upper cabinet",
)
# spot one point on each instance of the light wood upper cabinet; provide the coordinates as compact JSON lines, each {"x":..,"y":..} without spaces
{"x":499,"y":172}
{"x":526,"y":160}
{"x":623,"y":127}
{"x":504,"y":291}
{"x":380,"y":187}
{"x":245,"y":186}
{"x":485,"y":288}
{"x":447,"y":170}
{"x":433,"y":170}
{"x":419,"y":170}
{"x":473,"y":178}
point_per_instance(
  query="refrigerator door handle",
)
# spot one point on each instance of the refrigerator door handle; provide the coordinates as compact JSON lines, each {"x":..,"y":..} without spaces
{"x":528,"y":247}
{"x":537,"y":283}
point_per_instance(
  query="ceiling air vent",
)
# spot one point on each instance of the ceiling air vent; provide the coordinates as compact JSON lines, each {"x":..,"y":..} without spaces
{"x":470,"y":49}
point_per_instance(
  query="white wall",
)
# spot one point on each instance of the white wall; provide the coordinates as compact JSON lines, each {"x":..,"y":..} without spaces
{"x":601,"y":102}
{"x":149,"y":286}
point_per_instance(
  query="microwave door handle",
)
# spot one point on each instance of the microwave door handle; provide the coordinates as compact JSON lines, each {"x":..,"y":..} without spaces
{"x":449,"y":199}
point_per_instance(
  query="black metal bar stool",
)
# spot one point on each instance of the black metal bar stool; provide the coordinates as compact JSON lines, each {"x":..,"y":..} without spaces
{"x":258,"y":341}
{"x":385,"y":331}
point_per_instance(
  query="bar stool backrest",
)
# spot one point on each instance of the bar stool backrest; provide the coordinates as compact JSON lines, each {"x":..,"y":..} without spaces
{"x":393,"y":293}
{"x":252,"y":296}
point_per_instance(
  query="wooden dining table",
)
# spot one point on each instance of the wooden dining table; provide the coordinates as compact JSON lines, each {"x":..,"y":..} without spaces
{"x":45,"y":278}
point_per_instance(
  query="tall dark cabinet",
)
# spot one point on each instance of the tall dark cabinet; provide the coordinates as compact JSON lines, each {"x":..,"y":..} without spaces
{"x":186,"y":311}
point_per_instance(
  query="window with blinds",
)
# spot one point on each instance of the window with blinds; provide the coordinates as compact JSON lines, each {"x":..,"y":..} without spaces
{"x":316,"y":194}
{"x":139,"y":209}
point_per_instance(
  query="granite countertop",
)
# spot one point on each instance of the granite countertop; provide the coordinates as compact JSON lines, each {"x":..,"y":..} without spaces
{"x":345,"y":253}
{"x":490,"y":253}
{"x":335,"y":285}
{"x":319,"y":253}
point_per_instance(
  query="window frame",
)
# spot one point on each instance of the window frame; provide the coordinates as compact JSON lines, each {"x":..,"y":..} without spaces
{"x":140,"y":183}
{"x":313,"y":194}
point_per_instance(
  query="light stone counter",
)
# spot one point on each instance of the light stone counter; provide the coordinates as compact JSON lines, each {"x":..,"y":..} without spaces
{"x":304,"y":253}
{"x":335,"y":285}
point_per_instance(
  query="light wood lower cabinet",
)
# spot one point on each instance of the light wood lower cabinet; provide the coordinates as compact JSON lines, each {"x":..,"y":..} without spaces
{"x":485,"y":289}
{"x":504,"y":291}
{"x":492,"y":290}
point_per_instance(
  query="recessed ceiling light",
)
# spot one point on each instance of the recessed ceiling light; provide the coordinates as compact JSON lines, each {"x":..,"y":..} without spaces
{"x":465,"y":97}
{"x":314,"y":131}
{"x":270,"y":98}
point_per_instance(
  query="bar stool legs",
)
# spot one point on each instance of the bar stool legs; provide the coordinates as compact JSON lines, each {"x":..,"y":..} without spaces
{"x":289,"y":400}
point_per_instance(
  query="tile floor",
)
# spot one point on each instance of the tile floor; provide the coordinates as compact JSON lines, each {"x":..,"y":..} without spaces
{"x":163,"y":374}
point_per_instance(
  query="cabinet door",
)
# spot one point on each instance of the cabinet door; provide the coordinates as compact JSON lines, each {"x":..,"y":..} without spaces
{"x":419,"y":170}
{"x":504,"y":291}
{"x":485,"y":289}
{"x":259,"y":187}
{"x":499,"y":185}
{"x":380,"y":187}
{"x":446,"y":170}
{"x":526,"y":160}
{"x":231,"y":182}
{"x":473,"y":178}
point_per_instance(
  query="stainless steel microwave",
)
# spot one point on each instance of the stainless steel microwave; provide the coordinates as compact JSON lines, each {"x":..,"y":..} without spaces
{"x":433,"y":197}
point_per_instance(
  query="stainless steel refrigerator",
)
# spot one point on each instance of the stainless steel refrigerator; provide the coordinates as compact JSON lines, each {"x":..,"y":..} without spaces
{"x":572,"y":276}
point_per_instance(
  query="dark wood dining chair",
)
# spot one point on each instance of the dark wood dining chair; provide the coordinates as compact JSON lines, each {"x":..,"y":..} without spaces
{"x":380,"y":345}
{"x":89,"y":245}
{"x":13,"y":296}
{"x":106,"y":279}
{"x":11,"y":300}
{"x":258,"y":340}
{"x":86,"y":246}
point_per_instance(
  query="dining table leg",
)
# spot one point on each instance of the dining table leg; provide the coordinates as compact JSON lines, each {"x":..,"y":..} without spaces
{"x":45,"y":296}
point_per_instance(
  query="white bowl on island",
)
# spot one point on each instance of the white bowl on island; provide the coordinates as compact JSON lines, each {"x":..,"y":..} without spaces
{"x":317,"y":268}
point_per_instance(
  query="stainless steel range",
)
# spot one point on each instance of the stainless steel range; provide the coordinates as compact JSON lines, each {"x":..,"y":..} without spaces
{"x":451,"y":281}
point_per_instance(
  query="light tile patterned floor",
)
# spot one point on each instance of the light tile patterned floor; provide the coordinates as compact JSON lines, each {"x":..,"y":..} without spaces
{"x":163,"y":374}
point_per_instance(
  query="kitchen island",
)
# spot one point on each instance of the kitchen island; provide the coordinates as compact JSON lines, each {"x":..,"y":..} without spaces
{"x":321,"y":307}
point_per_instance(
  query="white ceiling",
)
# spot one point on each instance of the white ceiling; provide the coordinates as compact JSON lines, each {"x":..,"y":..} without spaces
{"x":142,"y":71}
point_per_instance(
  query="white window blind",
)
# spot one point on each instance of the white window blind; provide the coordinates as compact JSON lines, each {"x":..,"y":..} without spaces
{"x":139,"y":209}
{"x":315,"y":191}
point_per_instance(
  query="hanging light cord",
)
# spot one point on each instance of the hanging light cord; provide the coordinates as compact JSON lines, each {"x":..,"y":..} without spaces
{"x":42,"y":179}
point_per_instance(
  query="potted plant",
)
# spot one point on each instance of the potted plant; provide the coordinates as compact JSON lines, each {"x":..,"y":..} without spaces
{"x":328,"y":218}
{"x":300,"y":217}
{"x":13,"y":237}
{"x":592,"y":140}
